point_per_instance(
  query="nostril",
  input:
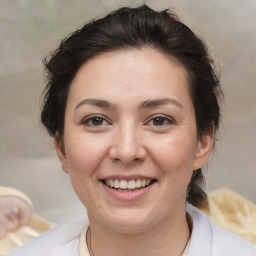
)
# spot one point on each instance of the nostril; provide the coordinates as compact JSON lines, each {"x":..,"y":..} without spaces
{"x":127,"y":156}
{"x":127,"y":148}
{"x":127,"y":161}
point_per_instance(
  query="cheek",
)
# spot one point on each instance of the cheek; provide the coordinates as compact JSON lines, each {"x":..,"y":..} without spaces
{"x":174,"y":157}
{"x":84,"y":156}
{"x":175,"y":151}
{"x":84,"y":153}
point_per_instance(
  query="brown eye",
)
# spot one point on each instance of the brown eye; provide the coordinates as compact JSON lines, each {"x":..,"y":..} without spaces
{"x":159,"y":121}
{"x":93,"y":121}
{"x":97,"y":121}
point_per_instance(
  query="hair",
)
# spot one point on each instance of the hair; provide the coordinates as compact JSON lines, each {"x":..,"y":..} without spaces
{"x":136,"y":28}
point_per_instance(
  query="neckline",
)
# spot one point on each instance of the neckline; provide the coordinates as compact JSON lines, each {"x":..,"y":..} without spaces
{"x":83,"y":248}
{"x":83,"y":241}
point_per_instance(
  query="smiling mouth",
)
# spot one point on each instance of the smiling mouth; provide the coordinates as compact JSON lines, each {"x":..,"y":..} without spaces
{"x":128,"y":185}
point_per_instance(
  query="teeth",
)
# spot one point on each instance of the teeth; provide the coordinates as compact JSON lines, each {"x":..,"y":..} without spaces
{"x":138,"y":183}
{"x":111,"y":183}
{"x":124,"y":184}
{"x":131,"y":184}
{"x":116,"y":184}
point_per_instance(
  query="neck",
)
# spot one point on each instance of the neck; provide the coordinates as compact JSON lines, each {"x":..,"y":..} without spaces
{"x":168,"y":238}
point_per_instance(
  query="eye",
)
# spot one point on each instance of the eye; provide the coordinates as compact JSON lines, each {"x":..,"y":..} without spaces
{"x":160,"y":121}
{"x":94,"y":121}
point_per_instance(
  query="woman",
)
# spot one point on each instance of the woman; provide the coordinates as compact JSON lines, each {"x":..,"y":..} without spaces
{"x":132,"y":104}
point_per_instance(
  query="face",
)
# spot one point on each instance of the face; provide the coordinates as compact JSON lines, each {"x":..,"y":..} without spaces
{"x":130,"y":140}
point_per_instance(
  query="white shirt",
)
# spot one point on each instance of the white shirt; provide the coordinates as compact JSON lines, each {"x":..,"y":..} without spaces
{"x":206,"y":240}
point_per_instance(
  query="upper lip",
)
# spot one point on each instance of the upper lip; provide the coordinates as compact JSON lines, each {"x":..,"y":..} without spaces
{"x":126,"y":177}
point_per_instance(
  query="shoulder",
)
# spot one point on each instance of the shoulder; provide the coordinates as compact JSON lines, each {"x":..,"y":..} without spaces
{"x":213,"y":240}
{"x":227,"y":243}
{"x":62,"y":238}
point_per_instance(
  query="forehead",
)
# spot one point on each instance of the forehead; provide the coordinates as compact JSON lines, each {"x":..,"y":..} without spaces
{"x":129,"y":73}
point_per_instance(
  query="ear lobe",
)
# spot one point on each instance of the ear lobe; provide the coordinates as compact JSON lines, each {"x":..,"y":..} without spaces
{"x":61,"y":154}
{"x":204,"y":149}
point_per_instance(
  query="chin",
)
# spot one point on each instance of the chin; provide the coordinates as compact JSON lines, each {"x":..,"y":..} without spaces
{"x":129,"y":221}
{"x":129,"y":227}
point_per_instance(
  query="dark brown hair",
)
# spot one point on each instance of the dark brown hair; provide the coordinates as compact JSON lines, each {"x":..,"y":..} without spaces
{"x":135,"y":28}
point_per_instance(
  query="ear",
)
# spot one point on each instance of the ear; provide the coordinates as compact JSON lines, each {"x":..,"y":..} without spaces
{"x":204,"y":149}
{"x":61,"y":154}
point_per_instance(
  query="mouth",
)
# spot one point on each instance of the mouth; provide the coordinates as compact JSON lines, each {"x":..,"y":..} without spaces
{"x":128,"y":185}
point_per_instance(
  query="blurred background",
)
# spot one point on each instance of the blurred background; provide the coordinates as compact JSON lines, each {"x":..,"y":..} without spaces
{"x":31,"y":29}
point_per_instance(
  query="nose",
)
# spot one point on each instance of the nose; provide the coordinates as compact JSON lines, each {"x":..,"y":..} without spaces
{"x":127,"y":145}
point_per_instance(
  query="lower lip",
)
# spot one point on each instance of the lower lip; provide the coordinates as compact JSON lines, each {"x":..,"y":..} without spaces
{"x":127,"y":195}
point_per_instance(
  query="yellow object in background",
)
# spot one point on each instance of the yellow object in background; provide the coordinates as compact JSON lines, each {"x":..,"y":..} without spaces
{"x":233,"y":212}
{"x":7,"y":191}
{"x":36,"y":226}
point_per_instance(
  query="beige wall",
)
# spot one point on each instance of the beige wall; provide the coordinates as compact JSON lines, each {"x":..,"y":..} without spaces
{"x":30,"y":29}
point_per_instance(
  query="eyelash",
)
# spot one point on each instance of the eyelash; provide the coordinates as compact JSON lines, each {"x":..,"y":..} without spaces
{"x":166,"y":120}
{"x":89,"y":119}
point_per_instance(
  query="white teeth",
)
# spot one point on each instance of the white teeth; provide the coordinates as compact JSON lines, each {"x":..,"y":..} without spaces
{"x":124,"y":184}
{"x":131,"y":184}
{"x":116,"y":183}
{"x":111,"y":183}
{"x":138,"y":183}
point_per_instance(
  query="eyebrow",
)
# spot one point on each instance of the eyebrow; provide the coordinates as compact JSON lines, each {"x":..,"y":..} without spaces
{"x":96,"y":102}
{"x":158,"y":102}
{"x":144,"y":105}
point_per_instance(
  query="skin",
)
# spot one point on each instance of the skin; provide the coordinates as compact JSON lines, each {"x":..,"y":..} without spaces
{"x":14,"y":213}
{"x":138,"y":86}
